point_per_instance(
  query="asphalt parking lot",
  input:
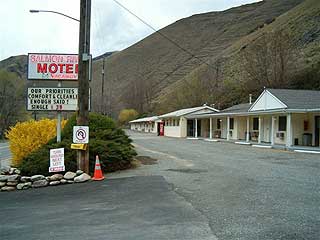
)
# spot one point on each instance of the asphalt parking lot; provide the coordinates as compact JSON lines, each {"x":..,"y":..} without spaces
{"x":128,"y":208}
{"x":244,"y":192}
{"x":184,"y":189}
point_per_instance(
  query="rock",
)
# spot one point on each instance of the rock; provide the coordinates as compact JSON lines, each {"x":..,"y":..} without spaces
{"x":3,"y":178}
{"x":12,"y":183}
{"x":63,"y":181}
{"x":37,"y":178}
{"x":40,"y":183}
{"x":27,"y":185}
{"x":70,"y":181}
{"x":20,"y":186}
{"x":79,"y":172}
{"x":48,"y":179}
{"x":54,"y":183}
{"x":69,"y":175}
{"x":11,"y":171}
{"x":2,"y":184}
{"x":56,"y":177}
{"x":82,"y":178}
{"x":17,"y":171}
{"x":4,"y":170}
{"x":8,"y":188}
{"x":13,"y":178}
{"x":25,"y":179}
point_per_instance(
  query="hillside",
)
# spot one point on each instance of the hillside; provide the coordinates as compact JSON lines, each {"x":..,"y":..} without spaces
{"x":217,"y":61}
{"x":153,"y":66}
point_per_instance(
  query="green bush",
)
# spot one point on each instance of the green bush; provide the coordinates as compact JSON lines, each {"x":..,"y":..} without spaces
{"x":106,"y":140}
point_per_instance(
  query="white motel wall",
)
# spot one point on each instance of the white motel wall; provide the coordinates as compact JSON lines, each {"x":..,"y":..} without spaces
{"x":148,"y":124}
{"x":279,"y":117}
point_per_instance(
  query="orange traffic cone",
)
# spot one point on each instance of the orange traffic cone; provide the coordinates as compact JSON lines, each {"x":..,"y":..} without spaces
{"x":98,"y":176}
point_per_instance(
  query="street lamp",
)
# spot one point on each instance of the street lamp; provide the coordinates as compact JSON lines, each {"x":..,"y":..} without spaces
{"x":49,"y":11}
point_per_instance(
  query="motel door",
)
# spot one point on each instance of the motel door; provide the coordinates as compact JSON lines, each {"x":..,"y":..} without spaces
{"x":190,"y":128}
{"x":266,"y":129}
{"x":317,"y":131}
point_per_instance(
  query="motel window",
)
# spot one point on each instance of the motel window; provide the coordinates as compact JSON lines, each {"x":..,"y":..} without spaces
{"x":218,"y":123}
{"x":231,"y":123}
{"x":178,"y":123}
{"x":255,"y":124}
{"x":283,"y":123}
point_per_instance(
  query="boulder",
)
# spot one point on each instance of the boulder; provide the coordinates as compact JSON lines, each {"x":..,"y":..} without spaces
{"x":69,"y":175}
{"x":54,"y":183}
{"x":17,"y":171}
{"x":82,"y":178}
{"x":13,"y":178}
{"x":70,"y":181}
{"x":25,"y":179}
{"x":56,"y":177}
{"x":11,"y":171}
{"x":40,"y":183}
{"x":20,"y":186}
{"x":63,"y":181}
{"x":37,"y":178}
{"x":79,"y":172}
{"x":2,"y":184}
{"x":3,"y":178}
{"x":5,"y":170}
{"x":12,"y":183}
{"x":8,"y":188}
{"x":27,"y":185}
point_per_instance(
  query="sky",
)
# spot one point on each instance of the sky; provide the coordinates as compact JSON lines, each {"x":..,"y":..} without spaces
{"x":112,"y":28}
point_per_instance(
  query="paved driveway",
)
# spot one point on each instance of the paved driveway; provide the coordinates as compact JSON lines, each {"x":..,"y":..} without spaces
{"x":5,"y":154}
{"x":244,"y":192}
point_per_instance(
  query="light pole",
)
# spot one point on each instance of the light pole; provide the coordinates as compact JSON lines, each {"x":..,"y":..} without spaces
{"x":49,"y":11}
{"x":83,"y":73}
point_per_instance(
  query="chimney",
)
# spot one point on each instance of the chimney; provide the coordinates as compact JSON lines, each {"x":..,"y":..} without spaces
{"x":250,"y":99}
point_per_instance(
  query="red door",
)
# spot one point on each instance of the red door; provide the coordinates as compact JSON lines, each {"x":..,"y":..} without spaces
{"x":161,"y":129}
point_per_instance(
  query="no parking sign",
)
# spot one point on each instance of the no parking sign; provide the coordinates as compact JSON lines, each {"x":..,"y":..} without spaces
{"x":80,"y":134}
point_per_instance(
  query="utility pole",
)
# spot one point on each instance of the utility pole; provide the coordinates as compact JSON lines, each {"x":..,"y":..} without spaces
{"x":102,"y":88}
{"x":83,"y":78}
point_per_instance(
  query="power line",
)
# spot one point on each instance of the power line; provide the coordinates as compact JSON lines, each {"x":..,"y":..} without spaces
{"x":160,"y":33}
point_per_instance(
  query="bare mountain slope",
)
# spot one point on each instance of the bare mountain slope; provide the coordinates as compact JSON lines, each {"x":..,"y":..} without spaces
{"x":154,"y":64}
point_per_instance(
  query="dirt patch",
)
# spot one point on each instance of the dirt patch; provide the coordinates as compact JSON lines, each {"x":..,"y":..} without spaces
{"x":145,"y":160}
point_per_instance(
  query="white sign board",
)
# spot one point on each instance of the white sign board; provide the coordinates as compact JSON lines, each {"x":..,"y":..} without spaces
{"x":57,"y":160}
{"x":80,"y":134}
{"x":52,"y":99}
{"x":52,"y":66}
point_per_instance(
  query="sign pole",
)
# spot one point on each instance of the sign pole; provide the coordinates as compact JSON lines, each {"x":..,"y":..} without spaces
{"x":59,"y":121}
{"x":83,"y":99}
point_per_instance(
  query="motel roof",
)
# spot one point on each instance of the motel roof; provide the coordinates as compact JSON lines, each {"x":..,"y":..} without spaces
{"x":281,"y":100}
{"x":186,"y":111}
{"x":297,"y":99}
{"x":146,"y":119}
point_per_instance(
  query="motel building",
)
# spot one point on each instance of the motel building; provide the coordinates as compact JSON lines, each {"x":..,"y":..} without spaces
{"x":176,"y":123}
{"x":148,"y":124}
{"x":279,"y":118}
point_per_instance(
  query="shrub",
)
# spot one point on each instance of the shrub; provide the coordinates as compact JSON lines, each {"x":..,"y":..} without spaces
{"x":106,"y":140}
{"x":26,"y":137}
{"x":126,"y":115}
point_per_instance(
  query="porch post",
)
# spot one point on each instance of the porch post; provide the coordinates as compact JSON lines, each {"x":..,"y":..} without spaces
{"x":248,"y":129}
{"x":196,"y":128}
{"x":228,"y":128}
{"x":260,"y":132}
{"x":289,"y":130}
{"x":273,"y":119}
{"x":210,"y":134}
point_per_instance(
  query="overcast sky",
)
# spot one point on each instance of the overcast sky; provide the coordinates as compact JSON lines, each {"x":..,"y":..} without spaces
{"x":112,"y":27}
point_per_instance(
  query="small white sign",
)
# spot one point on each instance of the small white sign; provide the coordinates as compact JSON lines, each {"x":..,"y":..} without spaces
{"x":57,"y":160}
{"x":80,"y":134}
